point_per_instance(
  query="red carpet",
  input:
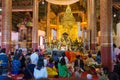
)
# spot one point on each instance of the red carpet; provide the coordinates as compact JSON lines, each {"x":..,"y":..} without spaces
{"x":83,"y":77}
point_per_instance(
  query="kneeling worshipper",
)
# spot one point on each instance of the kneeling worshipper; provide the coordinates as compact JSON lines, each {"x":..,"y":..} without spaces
{"x":52,"y":72}
{"x":71,"y":56}
{"x":91,"y":64}
{"x":29,"y":69}
{"x":62,"y":68}
{"x":79,"y":64}
{"x":16,"y":65}
{"x":90,"y":61}
{"x":40,"y":70}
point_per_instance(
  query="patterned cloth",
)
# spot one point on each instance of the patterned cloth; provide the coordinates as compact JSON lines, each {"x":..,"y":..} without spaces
{"x":52,"y":72}
{"x":63,"y":71}
{"x":16,"y":64}
{"x":4,"y":60}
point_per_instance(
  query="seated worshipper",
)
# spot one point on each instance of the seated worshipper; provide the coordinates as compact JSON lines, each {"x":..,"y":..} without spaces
{"x":16,"y":65}
{"x":52,"y":72}
{"x":22,"y":60}
{"x":98,"y":57}
{"x":55,"y":58}
{"x":72,"y":56}
{"x":62,"y":68}
{"x":64,"y":56}
{"x":67,"y":53}
{"x":79,"y":64}
{"x":117,"y":67}
{"x":29,"y":52}
{"x":10,"y":56}
{"x":34,"y":57}
{"x":90,"y":60}
{"x":104,"y":73}
{"x":68,"y":64}
{"x":118,"y":59}
{"x":29,"y":69}
{"x":4,"y":75}
{"x":40,"y":70}
{"x":3,"y":58}
{"x":116,"y":52}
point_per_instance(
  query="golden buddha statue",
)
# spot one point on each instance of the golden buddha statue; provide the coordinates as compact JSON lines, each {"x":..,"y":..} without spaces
{"x":68,"y":25}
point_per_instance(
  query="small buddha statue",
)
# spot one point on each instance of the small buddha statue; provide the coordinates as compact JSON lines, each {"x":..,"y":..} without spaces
{"x":65,"y":42}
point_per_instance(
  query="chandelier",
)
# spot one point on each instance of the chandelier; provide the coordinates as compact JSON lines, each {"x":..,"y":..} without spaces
{"x":68,"y":19}
{"x":62,"y":2}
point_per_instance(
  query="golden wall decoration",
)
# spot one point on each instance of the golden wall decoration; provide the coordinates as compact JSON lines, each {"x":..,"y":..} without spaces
{"x":68,"y":19}
{"x":68,"y":25}
{"x":73,"y":32}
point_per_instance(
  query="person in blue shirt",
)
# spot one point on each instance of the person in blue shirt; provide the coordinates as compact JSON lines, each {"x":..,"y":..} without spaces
{"x":16,"y":65}
{"x":98,"y":57}
{"x":3,"y":58}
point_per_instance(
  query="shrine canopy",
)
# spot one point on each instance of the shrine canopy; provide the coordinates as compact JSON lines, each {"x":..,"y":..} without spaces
{"x":62,"y":2}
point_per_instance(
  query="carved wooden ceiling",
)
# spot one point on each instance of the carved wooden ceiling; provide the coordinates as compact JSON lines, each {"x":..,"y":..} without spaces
{"x":20,"y":7}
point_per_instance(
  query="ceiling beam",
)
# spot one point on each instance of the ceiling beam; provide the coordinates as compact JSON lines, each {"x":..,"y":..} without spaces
{"x":116,"y":3}
{"x":22,"y":10}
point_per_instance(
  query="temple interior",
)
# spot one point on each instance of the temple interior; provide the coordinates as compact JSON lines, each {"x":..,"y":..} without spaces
{"x":61,"y":18}
{"x":73,"y":27}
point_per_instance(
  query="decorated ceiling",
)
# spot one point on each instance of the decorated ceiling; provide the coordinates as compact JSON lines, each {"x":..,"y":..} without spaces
{"x":22,"y":7}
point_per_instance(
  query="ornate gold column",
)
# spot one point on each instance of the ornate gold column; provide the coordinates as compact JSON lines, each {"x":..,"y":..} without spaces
{"x":57,"y":27}
{"x":83,"y":17}
{"x":6,"y":24}
{"x":48,"y":22}
{"x":106,"y":32}
{"x":35,"y":25}
{"x":92,"y":21}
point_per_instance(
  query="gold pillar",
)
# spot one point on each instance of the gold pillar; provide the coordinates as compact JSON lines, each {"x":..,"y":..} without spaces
{"x":92,"y":21}
{"x":48,"y":22}
{"x":6,"y":24}
{"x":106,"y":33}
{"x":83,"y":17}
{"x":57,"y":27}
{"x":35,"y":25}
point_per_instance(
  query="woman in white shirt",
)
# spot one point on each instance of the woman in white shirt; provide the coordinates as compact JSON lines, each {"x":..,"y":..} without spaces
{"x":40,"y":70}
